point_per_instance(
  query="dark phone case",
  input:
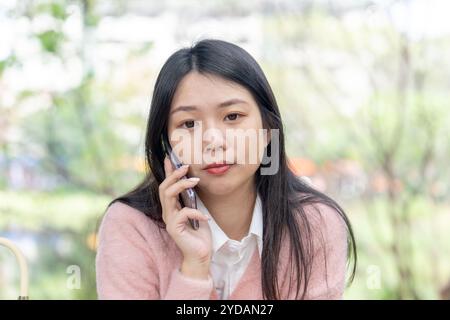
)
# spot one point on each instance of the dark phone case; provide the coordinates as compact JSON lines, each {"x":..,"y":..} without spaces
{"x":187,"y":197}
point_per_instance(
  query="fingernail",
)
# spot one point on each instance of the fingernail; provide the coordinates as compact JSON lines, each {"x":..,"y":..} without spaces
{"x":194,"y":179}
{"x":184,"y":166}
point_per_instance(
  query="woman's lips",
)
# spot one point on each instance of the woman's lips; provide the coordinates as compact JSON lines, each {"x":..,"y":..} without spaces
{"x":218,"y":169}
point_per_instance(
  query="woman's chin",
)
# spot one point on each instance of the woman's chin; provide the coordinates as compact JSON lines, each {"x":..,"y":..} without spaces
{"x":224,"y":184}
{"x":218,"y":188}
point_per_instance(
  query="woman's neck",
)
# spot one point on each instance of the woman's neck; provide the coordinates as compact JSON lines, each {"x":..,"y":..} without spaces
{"x":232,"y":212}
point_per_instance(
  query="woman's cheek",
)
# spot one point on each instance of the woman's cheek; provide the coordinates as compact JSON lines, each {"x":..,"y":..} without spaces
{"x":245,"y":171}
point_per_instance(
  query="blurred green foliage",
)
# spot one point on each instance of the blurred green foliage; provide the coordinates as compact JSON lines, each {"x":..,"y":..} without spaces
{"x":61,"y":224}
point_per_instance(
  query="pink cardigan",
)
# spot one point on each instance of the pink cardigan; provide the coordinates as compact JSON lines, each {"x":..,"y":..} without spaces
{"x":137,"y":260}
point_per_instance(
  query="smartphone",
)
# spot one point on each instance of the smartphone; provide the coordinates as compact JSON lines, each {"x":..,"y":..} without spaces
{"x":187,"y":196}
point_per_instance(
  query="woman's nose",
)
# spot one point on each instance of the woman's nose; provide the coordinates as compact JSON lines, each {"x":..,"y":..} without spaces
{"x":214,"y":139}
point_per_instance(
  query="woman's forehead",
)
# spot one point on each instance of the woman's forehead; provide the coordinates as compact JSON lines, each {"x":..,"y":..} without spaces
{"x":201,"y":90}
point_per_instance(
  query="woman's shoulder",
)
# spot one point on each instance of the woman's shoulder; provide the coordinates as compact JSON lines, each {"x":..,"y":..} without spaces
{"x":324,"y":216}
{"x":325,"y":221}
{"x":320,"y":213}
{"x":122,"y":219}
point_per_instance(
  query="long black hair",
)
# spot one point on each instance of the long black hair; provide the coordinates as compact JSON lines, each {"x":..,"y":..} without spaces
{"x":281,"y":203}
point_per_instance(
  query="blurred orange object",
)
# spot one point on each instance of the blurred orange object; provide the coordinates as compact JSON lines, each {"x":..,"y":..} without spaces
{"x":302,"y":166}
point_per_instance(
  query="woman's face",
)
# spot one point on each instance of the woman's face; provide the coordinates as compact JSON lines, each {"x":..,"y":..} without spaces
{"x":213,"y":120}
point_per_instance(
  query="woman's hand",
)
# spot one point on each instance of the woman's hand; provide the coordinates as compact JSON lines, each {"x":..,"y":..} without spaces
{"x":194,"y":244}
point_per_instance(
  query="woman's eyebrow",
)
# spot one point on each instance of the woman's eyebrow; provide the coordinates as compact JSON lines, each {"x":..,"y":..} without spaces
{"x":224,"y":104}
{"x":231,"y":102}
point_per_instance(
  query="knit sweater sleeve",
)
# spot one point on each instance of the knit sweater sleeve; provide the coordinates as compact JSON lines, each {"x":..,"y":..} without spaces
{"x":328,"y":265}
{"x":328,"y":271}
{"x":127,"y":261}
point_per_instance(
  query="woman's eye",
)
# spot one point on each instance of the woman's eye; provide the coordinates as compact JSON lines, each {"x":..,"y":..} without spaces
{"x":188,"y":124}
{"x":233,"y":116}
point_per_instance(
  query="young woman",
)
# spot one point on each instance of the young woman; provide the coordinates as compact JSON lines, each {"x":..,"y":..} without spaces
{"x":263,"y":234}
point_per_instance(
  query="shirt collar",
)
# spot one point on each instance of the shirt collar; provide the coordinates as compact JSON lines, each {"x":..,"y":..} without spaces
{"x":219,"y":238}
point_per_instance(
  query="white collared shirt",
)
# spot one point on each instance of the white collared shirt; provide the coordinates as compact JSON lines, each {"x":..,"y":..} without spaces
{"x":230,"y":258}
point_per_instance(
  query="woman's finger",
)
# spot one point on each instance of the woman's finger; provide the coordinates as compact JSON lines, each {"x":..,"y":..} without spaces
{"x":168,"y":168}
{"x":188,"y":213}
{"x":174,"y":176}
{"x":179,"y":186}
{"x":171,"y":195}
